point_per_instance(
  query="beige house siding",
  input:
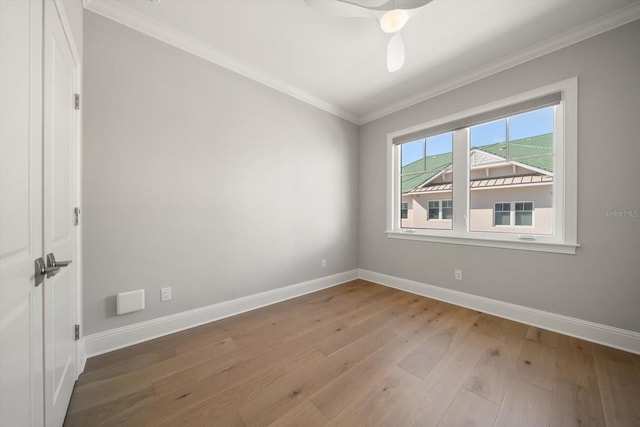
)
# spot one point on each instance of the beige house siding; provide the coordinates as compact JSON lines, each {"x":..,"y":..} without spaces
{"x":481,"y":204}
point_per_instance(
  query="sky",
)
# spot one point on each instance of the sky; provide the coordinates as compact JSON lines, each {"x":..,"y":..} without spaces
{"x":538,"y":122}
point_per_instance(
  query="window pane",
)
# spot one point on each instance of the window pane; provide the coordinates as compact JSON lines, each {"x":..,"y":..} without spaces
{"x":447,"y":209}
{"x":434,"y":210}
{"x":404,"y":210}
{"x":492,"y":134}
{"x":511,"y":166}
{"x":413,"y":152}
{"x":503,"y":218}
{"x":537,"y":122}
{"x":531,"y":139}
{"x":426,"y":178}
{"x":524,"y":218}
{"x":524,"y":213}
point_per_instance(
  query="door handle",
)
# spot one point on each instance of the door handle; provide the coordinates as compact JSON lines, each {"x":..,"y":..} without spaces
{"x":42,"y":270}
{"x":53,"y":266}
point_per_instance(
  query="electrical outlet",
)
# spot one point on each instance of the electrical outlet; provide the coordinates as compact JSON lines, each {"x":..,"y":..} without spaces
{"x":165,"y":294}
{"x":323,"y":264}
{"x":458,"y":274}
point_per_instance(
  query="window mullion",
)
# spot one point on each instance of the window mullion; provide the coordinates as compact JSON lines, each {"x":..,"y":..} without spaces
{"x":460,"y":180}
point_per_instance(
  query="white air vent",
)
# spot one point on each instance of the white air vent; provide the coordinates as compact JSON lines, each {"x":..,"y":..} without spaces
{"x":128,"y":302}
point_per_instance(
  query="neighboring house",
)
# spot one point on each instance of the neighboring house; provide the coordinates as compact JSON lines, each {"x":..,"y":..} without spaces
{"x":511,"y":188}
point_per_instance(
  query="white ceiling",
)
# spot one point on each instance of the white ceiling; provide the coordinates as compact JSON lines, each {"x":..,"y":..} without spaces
{"x":339,"y":64}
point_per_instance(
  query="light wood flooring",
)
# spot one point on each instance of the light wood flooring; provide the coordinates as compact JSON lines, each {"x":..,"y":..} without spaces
{"x":360,"y":354}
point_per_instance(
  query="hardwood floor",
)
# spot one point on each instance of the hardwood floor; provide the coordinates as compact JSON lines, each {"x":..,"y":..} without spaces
{"x":360,"y":354}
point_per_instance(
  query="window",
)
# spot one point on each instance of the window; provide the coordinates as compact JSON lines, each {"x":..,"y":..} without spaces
{"x":521,"y":215}
{"x":404,"y":209}
{"x":502,"y":214}
{"x":440,"y":209}
{"x":502,"y":175}
{"x":447,"y":209}
{"x":524,"y":213}
{"x":425,"y":178}
{"x":434,"y":209}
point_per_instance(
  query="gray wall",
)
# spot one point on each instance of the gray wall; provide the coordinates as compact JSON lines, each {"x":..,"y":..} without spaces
{"x":74,"y":11}
{"x":602,"y":282}
{"x":202,"y":180}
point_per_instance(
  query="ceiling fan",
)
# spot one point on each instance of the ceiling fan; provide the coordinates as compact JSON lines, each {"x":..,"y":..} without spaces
{"x":392,"y":15}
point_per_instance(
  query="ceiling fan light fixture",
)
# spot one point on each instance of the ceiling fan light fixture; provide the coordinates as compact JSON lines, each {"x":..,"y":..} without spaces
{"x":394,"y":20}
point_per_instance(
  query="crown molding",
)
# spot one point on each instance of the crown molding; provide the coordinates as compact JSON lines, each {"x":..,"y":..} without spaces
{"x":115,"y":11}
{"x":590,"y":29}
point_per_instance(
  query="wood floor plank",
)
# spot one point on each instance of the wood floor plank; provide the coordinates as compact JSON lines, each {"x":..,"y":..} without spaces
{"x":619,"y":382}
{"x":487,"y":324}
{"x":306,"y":414}
{"x":287,"y":391}
{"x":420,"y":310}
{"x":422,"y":360}
{"x":370,"y":407}
{"x":537,"y":364}
{"x":543,"y":336}
{"x":345,"y":389}
{"x":575,"y":362}
{"x":99,"y":392}
{"x":359,"y":354}
{"x":574,"y":405}
{"x":97,"y":415}
{"x":493,"y":373}
{"x":438,"y":390}
{"x":126,"y":365}
{"x":525,"y":405}
{"x":469,"y":409}
{"x":429,"y":399}
{"x":188,"y":404}
{"x":358,"y":324}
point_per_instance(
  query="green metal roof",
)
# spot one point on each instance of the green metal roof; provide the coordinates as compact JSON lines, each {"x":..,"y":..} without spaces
{"x":535,"y":151}
{"x":424,"y":169}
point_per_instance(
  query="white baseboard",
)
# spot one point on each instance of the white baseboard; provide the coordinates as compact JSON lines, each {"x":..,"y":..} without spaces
{"x":103,"y":342}
{"x":589,"y":331}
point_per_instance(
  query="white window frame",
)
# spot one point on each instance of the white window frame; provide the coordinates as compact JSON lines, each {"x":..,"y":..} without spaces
{"x":564,"y":237}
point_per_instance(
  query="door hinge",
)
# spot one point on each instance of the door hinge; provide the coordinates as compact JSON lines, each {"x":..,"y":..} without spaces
{"x":76,"y":101}
{"x":76,"y":216}
{"x":77,"y":332}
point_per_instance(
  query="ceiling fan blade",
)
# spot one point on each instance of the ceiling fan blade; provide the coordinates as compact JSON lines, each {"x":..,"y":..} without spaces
{"x":385,"y":5}
{"x":410,"y":4}
{"x":395,"y":53}
{"x":367,"y":3}
{"x":340,"y":8}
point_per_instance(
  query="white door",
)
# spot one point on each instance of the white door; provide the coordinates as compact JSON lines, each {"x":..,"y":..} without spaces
{"x":60,"y":136}
{"x":21,"y":391}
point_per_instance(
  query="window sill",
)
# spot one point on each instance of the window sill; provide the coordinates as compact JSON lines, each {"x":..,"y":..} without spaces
{"x":524,"y":245}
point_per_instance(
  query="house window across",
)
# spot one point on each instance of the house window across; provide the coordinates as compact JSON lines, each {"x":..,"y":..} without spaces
{"x":524,"y":213}
{"x":486,"y":173}
{"x":404,"y":209}
{"x":434,"y":209}
{"x":440,"y":209}
{"x":502,"y":214}
{"x":447,"y":209}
